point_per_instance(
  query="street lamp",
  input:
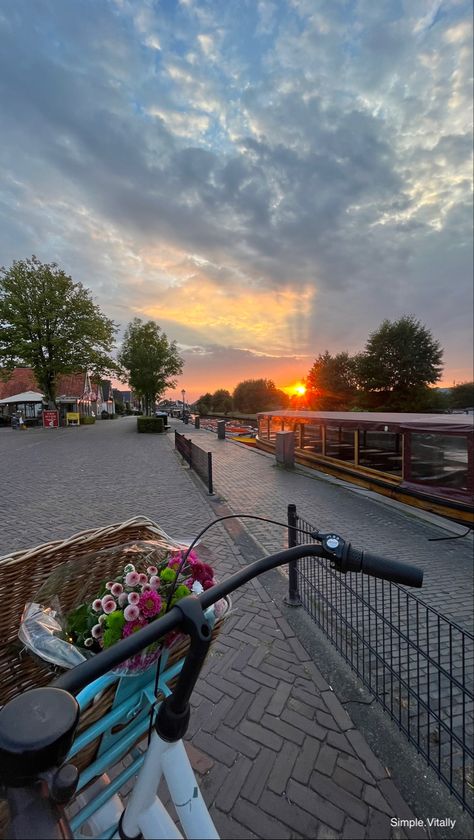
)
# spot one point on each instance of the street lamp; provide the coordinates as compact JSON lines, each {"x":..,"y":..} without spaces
{"x":183,"y":394}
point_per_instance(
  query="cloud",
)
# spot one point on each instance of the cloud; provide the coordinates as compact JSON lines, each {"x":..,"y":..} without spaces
{"x":278,"y":179}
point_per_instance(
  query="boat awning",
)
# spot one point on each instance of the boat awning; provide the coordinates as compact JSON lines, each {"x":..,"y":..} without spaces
{"x":24,"y":397}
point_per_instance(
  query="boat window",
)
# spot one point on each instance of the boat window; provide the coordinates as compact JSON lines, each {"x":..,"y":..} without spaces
{"x":275,"y":426}
{"x":339,"y":443}
{"x":311,"y":438}
{"x":381,"y":451}
{"x":439,"y":460}
{"x":263,"y":428}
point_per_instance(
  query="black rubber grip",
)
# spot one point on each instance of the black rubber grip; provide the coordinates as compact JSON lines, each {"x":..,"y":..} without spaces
{"x":393,"y":570}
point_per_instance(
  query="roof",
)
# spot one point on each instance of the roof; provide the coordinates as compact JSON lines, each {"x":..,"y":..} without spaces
{"x":25,"y":396}
{"x":19,"y":381}
{"x":379,"y":419}
{"x":23,"y":379}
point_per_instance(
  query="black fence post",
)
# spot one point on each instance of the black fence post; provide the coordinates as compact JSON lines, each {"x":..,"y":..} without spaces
{"x":293,"y":598}
{"x":209,"y":474}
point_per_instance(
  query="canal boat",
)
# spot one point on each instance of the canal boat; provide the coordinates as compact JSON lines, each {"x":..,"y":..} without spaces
{"x":424,"y":460}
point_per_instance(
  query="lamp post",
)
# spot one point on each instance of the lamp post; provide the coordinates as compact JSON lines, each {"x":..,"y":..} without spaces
{"x":183,"y":394}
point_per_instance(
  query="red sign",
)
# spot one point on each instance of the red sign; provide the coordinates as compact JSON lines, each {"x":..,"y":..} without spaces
{"x":50,"y":419}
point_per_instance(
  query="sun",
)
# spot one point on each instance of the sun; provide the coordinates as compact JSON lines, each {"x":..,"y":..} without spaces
{"x":299,"y":390}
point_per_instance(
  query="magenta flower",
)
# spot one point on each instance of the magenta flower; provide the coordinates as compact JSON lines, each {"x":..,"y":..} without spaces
{"x":133,"y":598}
{"x":152,"y":570}
{"x":131,"y":612}
{"x":150,"y":603}
{"x":132,"y":626}
{"x":116,"y":589}
{"x":132,"y":578}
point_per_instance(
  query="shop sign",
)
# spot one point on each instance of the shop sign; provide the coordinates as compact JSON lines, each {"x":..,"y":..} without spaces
{"x":50,"y":419}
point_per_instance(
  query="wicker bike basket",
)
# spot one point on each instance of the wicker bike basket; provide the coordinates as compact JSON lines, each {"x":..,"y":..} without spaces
{"x":23,"y":573}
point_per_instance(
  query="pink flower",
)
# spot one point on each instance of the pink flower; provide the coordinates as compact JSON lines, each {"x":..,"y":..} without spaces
{"x":133,"y":598}
{"x":116,"y":589}
{"x":97,"y":604}
{"x":109,"y":584}
{"x":132,"y":578}
{"x":123,"y":599}
{"x":150,"y":603}
{"x":146,"y":587}
{"x":142,"y":578}
{"x":131,"y":613}
{"x":152,"y":570}
{"x":155,"y":582}
{"x":108,"y":604}
{"x":132,"y":627}
{"x":175,"y":561}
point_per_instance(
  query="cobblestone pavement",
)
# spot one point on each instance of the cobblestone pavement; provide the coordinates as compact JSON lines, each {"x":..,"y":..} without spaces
{"x":276,"y":753}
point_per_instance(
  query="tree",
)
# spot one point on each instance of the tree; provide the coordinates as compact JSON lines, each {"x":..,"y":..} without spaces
{"x":401,"y":359}
{"x":221,"y":401}
{"x":253,"y":395}
{"x":52,"y":325}
{"x":150,"y":361}
{"x":332,"y":382}
{"x":204,"y":404}
{"x":462,"y":395}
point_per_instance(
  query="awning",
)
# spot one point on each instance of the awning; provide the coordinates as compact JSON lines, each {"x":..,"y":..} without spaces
{"x":24,"y":397}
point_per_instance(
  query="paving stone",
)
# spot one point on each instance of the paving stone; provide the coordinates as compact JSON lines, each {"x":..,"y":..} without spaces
{"x":364,"y":752}
{"x":239,"y":710}
{"x":235,"y":739}
{"x":326,"y":760}
{"x":230,"y":828}
{"x":350,"y":804}
{"x":289,"y":814}
{"x":320,"y":808}
{"x":260,"y":677}
{"x":337,"y":710}
{"x":259,"y":704}
{"x":231,"y":788}
{"x":353,"y":830}
{"x":306,"y":760}
{"x":255,"y":819}
{"x":290,"y":733}
{"x":346,"y":780}
{"x":309,"y":727}
{"x":279,"y":699}
{"x":214,"y":748}
{"x":257,"y":778}
{"x":261,"y":735}
{"x":282,"y":767}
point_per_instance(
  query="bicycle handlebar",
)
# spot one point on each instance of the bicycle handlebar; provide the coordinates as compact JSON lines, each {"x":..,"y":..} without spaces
{"x":19,"y":745}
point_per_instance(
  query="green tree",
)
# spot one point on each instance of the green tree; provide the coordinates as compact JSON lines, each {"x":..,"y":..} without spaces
{"x":332,"y":382}
{"x":52,"y":325}
{"x":204,"y":404}
{"x":462,"y":395}
{"x":221,"y":401}
{"x":149,"y":360}
{"x":401,"y":359}
{"x":253,"y":395}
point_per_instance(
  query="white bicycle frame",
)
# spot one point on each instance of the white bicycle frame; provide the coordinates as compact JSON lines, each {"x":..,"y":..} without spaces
{"x":146,"y":814}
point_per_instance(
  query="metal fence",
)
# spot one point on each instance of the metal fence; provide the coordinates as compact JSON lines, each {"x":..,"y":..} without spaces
{"x":417,"y":663}
{"x":199,"y":460}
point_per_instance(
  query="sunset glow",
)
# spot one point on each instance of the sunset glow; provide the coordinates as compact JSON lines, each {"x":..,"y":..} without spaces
{"x":266,"y":180}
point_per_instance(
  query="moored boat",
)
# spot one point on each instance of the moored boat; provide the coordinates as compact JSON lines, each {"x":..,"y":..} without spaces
{"x":425,"y":460}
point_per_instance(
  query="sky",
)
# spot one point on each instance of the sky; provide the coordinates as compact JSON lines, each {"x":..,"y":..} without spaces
{"x":267,"y":179}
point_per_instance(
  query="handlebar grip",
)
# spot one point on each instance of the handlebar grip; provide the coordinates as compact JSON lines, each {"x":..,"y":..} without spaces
{"x":393,"y":570}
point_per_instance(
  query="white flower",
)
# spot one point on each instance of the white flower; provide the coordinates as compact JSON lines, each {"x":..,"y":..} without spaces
{"x":88,"y":642}
{"x":197,"y":588}
{"x":96,"y":631}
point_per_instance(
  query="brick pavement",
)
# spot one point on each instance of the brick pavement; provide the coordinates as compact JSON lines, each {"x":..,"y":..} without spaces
{"x":278,"y":754}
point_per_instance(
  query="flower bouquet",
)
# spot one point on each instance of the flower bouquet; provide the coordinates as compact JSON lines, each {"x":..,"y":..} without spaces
{"x":77,"y":615}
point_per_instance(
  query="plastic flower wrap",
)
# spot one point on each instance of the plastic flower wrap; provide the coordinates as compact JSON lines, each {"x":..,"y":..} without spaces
{"x":81,"y":610}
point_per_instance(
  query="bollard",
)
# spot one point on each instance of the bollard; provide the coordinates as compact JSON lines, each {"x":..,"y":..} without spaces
{"x":285,"y":448}
{"x":197,"y":422}
{"x":221,"y":429}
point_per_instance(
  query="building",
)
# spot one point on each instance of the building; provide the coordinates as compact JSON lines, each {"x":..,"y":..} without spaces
{"x":20,"y":392}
